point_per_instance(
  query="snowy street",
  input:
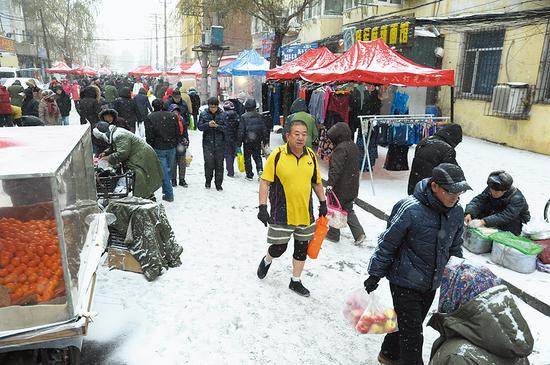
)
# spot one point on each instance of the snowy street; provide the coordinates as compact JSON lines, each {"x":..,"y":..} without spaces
{"x":214,"y":310}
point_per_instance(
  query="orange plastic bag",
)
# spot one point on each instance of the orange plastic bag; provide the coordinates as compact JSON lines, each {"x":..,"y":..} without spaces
{"x":321,"y":229}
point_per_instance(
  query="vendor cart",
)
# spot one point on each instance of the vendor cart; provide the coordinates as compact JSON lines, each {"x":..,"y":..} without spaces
{"x":52,"y":236}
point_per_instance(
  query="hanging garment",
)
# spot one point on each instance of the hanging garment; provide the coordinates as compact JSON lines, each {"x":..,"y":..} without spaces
{"x":325,"y":145}
{"x":396,"y":159}
{"x":400,"y":103}
{"x":316,"y":105}
{"x":340,"y":103}
{"x":372,"y":148}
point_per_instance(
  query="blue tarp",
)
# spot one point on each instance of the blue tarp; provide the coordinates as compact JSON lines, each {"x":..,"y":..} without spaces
{"x":248,"y":63}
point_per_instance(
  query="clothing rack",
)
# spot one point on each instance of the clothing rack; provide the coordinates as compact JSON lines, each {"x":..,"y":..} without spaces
{"x":368,"y":122}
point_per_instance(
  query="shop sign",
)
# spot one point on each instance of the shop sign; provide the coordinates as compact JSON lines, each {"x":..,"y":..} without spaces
{"x":7,"y":45}
{"x":266,"y":44}
{"x":290,"y":53}
{"x":396,"y":33}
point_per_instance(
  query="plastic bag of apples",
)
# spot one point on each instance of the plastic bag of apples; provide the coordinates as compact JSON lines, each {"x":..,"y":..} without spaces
{"x":368,"y":315}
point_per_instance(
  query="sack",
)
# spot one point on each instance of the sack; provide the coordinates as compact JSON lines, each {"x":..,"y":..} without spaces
{"x":544,"y":256}
{"x":513,"y":259}
{"x":368,"y":315}
{"x":240,"y":160}
{"x":321,"y":229}
{"x":522,"y":244}
{"x":337,"y":217}
{"x":191,"y":122}
{"x":477,"y":241}
{"x":188,"y":159}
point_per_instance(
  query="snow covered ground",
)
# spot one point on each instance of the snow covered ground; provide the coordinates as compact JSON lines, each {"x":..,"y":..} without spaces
{"x":214,"y":310}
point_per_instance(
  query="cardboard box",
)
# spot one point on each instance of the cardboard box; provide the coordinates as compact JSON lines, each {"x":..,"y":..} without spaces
{"x":122,"y":259}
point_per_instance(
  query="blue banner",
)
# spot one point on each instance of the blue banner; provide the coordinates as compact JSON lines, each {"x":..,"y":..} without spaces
{"x":290,"y":53}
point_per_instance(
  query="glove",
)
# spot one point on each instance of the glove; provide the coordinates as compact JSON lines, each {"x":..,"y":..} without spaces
{"x":263,"y":215}
{"x":323,"y":208}
{"x":371,"y":284}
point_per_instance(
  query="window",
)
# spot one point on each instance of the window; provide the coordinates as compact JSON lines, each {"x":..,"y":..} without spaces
{"x":543,"y":84}
{"x":481,"y":61}
{"x":313,"y":10}
{"x":333,"y":7}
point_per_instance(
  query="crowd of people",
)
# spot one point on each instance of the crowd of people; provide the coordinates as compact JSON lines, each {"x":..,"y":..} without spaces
{"x":424,"y":230}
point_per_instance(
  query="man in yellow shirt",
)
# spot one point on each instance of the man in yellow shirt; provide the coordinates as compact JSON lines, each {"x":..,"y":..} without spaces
{"x":290,"y":174}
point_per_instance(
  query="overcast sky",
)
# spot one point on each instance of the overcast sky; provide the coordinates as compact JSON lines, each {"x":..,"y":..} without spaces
{"x":129,"y":19}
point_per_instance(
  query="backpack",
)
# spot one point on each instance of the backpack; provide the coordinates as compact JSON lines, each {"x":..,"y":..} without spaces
{"x":5,"y":106}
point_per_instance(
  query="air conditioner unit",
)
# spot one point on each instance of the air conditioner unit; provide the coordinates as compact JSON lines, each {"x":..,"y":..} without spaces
{"x":207,"y":37}
{"x":510,"y":99}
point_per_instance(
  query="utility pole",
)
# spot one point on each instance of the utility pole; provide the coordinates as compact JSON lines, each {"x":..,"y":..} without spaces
{"x":157,"y":42}
{"x":45,"y":39}
{"x":165,"y":40}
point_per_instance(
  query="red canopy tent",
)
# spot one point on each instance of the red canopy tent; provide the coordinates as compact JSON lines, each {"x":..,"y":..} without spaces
{"x":314,"y":58}
{"x":145,"y":71}
{"x":375,"y":62}
{"x":84,"y":70}
{"x":60,"y":68}
{"x":179,"y":69}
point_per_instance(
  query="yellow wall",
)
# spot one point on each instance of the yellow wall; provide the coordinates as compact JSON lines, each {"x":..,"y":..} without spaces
{"x":191,"y":36}
{"x":319,"y":28}
{"x":364,"y":12}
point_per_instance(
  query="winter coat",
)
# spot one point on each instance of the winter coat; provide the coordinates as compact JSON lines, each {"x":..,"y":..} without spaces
{"x":488,"y":330}
{"x":195,"y":102}
{"x":162,"y":130}
{"x":49,"y":118}
{"x":232,"y":129}
{"x":432,"y":151}
{"x":507,"y":213}
{"x":89,"y":107}
{"x":66,"y":87}
{"x":252,"y":129}
{"x":14,"y":91}
{"x":421,"y":236}
{"x":5,"y":106}
{"x":135,"y":154}
{"x":343,"y":172}
{"x":160,"y":91}
{"x":143,"y":104}
{"x":298,"y":111}
{"x":75,"y":92}
{"x":170,"y":100}
{"x":111,"y":93}
{"x":30,"y":105}
{"x":64,"y":103}
{"x":213,"y":136}
{"x":127,"y":108}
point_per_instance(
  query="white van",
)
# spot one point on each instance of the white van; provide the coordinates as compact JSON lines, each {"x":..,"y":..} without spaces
{"x":8,"y":72}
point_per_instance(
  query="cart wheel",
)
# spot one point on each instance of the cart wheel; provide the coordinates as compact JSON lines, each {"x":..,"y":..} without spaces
{"x":547,"y":211}
{"x":66,"y":356}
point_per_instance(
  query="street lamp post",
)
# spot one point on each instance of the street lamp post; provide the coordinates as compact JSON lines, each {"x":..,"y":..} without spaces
{"x":209,"y":56}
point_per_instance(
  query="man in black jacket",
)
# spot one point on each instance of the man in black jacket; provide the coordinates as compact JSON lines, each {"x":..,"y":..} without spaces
{"x":252,"y":133}
{"x":500,"y":205}
{"x":432,"y":151}
{"x":424,"y":231}
{"x":143,"y":104}
{"x":212,"y":122}
{"x":162,"y":132}
{"x":63,"y":103}
{"x":343,"y":178}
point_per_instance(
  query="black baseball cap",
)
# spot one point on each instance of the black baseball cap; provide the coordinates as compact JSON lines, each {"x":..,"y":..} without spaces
{"x":450,"y":177}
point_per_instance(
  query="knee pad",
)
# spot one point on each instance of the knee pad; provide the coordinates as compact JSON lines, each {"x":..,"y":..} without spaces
{"x":277,"y":250}
{"x":300,"y":250}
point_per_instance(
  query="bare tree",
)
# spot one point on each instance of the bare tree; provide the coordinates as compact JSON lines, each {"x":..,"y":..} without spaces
{"x":68,"y":25}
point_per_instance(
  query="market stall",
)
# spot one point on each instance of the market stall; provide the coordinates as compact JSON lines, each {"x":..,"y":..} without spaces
{"x":60,"y":68}
{"x":313,"y":58}
{"x":52,"y":235}
{"x":147,"y":71}
{"x":85,"y":71}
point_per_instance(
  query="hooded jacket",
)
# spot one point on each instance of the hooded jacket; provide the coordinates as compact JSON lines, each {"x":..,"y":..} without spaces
{"x":343,"y":173}
{"x":135,"y":154}
{"x":111,"y":93}
{"x":162,"y":131}
{"x":252,"y":129}
{"x":298,"y":111}
{"x":63,"y":101}
{"x":507,"y":213}
{"x":14,"y":91}
{"x":88,"y":106}
{"x":432,"y":151}
{"x":486,"y":331}
{"x":127,"y":108}
{"x":30,"y":104}
{"x":232,"y":129}
{"x":421,"y":236}
{"x":52,"y":117}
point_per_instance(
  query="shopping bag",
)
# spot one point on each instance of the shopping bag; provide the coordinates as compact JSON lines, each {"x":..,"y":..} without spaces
{"x":140,"y":130}
{"x":337,"y":217}
{"x":191,"y":122}
{"x":321,"y":229}
{"x":240,"y":160}
{"x":367,"y":314}
{"x":188,"y":159}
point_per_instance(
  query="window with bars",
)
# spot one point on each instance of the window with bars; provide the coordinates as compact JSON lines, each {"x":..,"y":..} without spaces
{"x":481,"y":62}
{"x":333,"y":7}
{"x":542,"y":93}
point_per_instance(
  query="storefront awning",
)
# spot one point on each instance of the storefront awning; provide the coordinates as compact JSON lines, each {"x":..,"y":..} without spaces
{"x":314,"y":58}
{"x":375,"y":62}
